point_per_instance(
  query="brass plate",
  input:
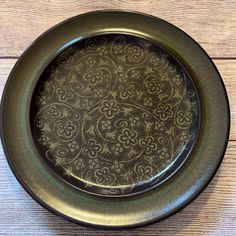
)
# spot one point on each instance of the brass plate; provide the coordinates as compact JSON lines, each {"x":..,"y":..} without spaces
{"x":118,"y":119}
{"x":115,"y":115}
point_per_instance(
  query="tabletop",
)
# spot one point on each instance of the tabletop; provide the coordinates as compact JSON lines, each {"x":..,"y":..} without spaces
{"x":213,"y":25}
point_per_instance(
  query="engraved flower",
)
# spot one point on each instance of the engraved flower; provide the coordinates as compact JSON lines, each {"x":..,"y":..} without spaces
{"x":73,"y":146}
{"x":153,"y":86}
{"x":148,"y":144}
{"x":64,"y":93}
{"x":184,"y":118}
{"x":98,"y":92}
{"x":163,"y":154}
{"x":128,"y":137}
{"x":134,"y":53}
{"x":117,"y":149}
{"x":89,"y":61}
{"x":66,"y":60}
{"x":122,"y":77}
{"x":177,"y":79}
{"x":154,"y":59}
{"x":52,"y":71}
{"x":53,"y":112}
{"x":135,"y":121}
{"x":104,"y":176}
{"x":92,"y":149}
{"x":117,"y":166}
{"x":164,"y":111}
{"x":106,"y":124}
{"x":185,"y":137}
{"x":109,"y":108}
{"x":126,"y":91}
{"x":143,"y":172}
{"x":43,"y":140}
{"x":159,"y":126}
{"x":86,"y":104}
{"x":135,"y":74}
{"x":93,"y":163}
{"x":102,"y":50}
{"x":147,"y":102}
{"x":65,"y":128}
{"x":79,"y":164}
{"x":118,"y":49}
{"x":94,"y":76}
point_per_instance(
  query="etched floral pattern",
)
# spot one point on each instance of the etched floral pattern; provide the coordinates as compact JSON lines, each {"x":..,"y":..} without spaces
{"x":117,"y":166}
{"x":92,"y":149}
{"x":106,"y":124}
{"x":144,"y":172}
{"x":109,"y":108}
{"x":117,"y":149}
{"x":94,"y":77}
{"x":89,"y":61}
{"x":126,"y":91}
{"x":93,"y":163}
{"x":148,"y":144}
{"x":114,"y":111}
{"x":134,"y":121}
{"x":128,"y":137}
{"x":53,"y":112}
{"x":154,"y":86}
{"x":43,"y":140}
{"x":184,"y":118}
{"x":79,"y":164}
{"x":135,"y":53}
{"x":73,"y":146}
{"x":64,"y":93}
{"x":65,"y":129}
{"x":104,"y":176}
{"x":164,"y":111}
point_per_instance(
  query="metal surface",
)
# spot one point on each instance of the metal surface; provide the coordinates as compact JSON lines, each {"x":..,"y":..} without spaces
{"x":153,"y":205}
{"x":115,"y":115}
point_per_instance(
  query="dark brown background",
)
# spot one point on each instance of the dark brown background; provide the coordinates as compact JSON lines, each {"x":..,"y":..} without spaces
{"x":210,"y":23}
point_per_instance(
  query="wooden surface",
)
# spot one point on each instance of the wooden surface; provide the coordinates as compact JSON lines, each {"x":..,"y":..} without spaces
{"x":213,"y":25}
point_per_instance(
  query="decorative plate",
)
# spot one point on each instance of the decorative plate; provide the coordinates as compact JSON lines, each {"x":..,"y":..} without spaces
{"x":114,"y":119}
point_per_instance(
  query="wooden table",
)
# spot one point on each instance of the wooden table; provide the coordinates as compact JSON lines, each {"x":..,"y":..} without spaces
{"x":213,"y":25}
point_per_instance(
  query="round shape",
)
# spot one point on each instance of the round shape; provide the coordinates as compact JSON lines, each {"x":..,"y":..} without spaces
{"x":115,"y":115}
{"x":19,"y":133}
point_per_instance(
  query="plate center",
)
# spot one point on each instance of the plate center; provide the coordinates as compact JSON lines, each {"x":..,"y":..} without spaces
{"x":115,"y":115}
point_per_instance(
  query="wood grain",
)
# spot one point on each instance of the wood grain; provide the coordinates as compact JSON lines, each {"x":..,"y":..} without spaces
{"x":211,"y":23}
{"x":227,"y":69}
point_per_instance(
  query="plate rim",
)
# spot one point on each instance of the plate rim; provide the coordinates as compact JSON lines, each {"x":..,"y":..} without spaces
{"x":133,"y":224}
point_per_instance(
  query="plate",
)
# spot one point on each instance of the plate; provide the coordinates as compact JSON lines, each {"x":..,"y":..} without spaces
{"x":114,"y":119}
